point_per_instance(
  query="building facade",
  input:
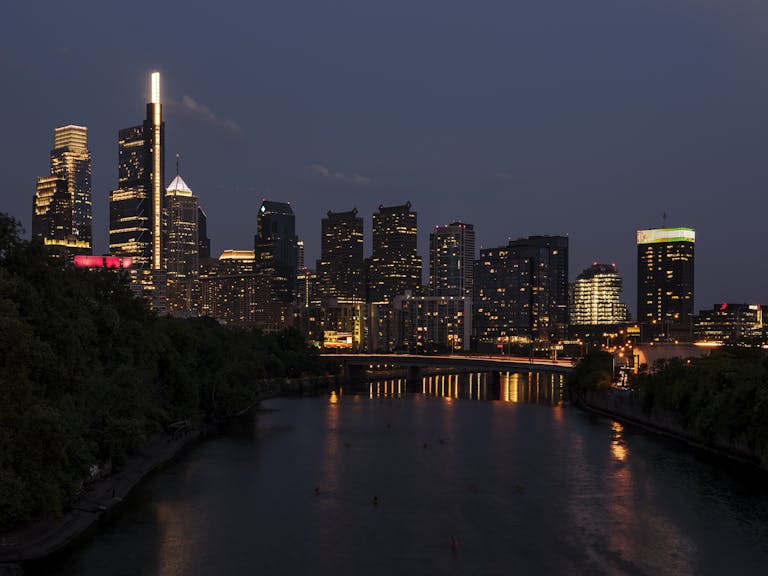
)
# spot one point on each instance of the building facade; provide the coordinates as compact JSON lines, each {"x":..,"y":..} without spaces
{"x":451,"y":260}
{"x":232,"y":292}
{"x":136,"y":207}
{"x":62,"y":212}
{"x":340,"y":270}
{"x":521,"y":292}
{"x":395,"y":264}
{"x":665,"y":282}
{"x":275,"y":249}
{"x":731,"y":323}
{"x":597,"y":297}
{"x":182,"y":248}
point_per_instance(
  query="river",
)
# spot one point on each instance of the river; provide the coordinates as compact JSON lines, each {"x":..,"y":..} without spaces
{"x":465,"y":474}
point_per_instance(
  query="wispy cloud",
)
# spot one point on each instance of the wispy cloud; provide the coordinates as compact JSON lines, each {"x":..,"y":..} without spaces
{"x":190,"y":107}
{"x":324,"y":173}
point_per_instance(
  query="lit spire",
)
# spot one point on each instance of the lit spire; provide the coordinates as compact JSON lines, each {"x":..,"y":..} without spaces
{"x":155,"y":88}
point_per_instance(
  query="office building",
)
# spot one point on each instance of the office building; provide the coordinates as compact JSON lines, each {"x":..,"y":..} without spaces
{"x":182,"y":247}
{"x":62,"y":215}
{"x":395,"y":264}
{"x":340,"y":270}
{"x":730,"y":323}
{"x":597,"y":297}
{"x":451,"y":260}
{"x":136,"y":206}
{"x":665,"y":267}
{"x":275,"y":249}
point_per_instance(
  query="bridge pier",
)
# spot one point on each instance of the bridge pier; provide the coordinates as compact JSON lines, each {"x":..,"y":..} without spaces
{"x":413,"y":375}
{"x":354,"y":373}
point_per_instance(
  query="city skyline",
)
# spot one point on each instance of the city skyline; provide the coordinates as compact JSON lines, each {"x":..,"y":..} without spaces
{"x":612,"y":139}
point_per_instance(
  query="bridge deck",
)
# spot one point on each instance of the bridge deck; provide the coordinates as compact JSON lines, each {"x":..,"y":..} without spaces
{"x":457,"y":361}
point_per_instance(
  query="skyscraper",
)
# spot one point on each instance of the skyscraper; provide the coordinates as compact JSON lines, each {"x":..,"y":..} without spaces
{"x":275,"y":249}
{"x":61,"y":216}
{"x":340,"y":272}
{"x":521,"y":291}
{"x":665,"y":282}
{"x":182,"y":249}
{"x":451,"y":260}
{"x":395,"y":264}
{"x":597,"y":297}
{"x":136,"y":207}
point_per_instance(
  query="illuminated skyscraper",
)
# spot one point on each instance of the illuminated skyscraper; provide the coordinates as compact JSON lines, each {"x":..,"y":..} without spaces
{"x":597,"y":297}
{"x":275,"y":249}
{"x":395,"y":264}
{"x":451,"y":260}
{"x":182,"y":246}
{"x":61,"y":215}
{"x":136,"y":207}
{"x":340,"y":272}
{"x":665,"y":282}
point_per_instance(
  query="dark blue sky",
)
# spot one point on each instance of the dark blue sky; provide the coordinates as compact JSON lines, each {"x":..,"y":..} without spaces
{"x":588,"y":118}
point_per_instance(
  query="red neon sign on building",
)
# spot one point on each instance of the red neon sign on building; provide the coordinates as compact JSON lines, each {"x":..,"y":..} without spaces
{"x":102,"y":262}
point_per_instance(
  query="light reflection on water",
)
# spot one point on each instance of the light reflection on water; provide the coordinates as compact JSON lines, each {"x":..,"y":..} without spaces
{"x":524,"y":489}
{"x":513,"y":387}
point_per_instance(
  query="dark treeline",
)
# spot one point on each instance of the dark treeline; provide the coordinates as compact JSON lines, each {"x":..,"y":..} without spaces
{"x":88,"y":373}
{"x":720,"y":399}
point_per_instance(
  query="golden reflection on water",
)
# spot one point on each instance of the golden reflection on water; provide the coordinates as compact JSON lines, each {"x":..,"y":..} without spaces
{"x":176,"y":522}
{"x":618,"y":446}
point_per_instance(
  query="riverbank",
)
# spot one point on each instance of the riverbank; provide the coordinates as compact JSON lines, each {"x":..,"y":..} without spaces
{"x":625,"y":407}
{"x":40,"y":538}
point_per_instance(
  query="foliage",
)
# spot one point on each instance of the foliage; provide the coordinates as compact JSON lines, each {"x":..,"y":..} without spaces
{"x":593,"y":372}
{"x":88,"y":373}
{"x":719,"y":399}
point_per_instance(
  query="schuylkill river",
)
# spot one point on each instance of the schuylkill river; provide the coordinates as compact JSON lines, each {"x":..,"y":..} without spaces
{"x":456,"y":476}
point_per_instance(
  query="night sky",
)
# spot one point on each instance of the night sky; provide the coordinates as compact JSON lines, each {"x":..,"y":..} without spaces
{"x":590,"y":118}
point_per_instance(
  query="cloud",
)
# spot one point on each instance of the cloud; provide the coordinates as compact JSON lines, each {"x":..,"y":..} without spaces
{"x":190,"y":107}
{"x":324,"y":173}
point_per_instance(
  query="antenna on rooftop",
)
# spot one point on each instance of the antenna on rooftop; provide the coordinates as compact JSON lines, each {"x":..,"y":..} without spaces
{"x":664,"y":219}
{"x":177,"y":163}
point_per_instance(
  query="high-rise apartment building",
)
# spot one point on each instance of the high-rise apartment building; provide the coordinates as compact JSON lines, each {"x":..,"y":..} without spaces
{"x":182,"y":247}
{"x":136,"y":206}
{"x":597,"y":297}
{"x":502,"y":301}
{"x":232,"y":292}
{"x":521,"y":291}
{"x":665,"y":258}
{"x":451,"y":260}
{"x":395,"y":264}
{"x":340,"y":270}
{"x":62,"y":215}
{"x":275,"y":249}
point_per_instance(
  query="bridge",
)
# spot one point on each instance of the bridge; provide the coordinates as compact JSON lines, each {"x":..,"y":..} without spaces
{"x":355,"y":365}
